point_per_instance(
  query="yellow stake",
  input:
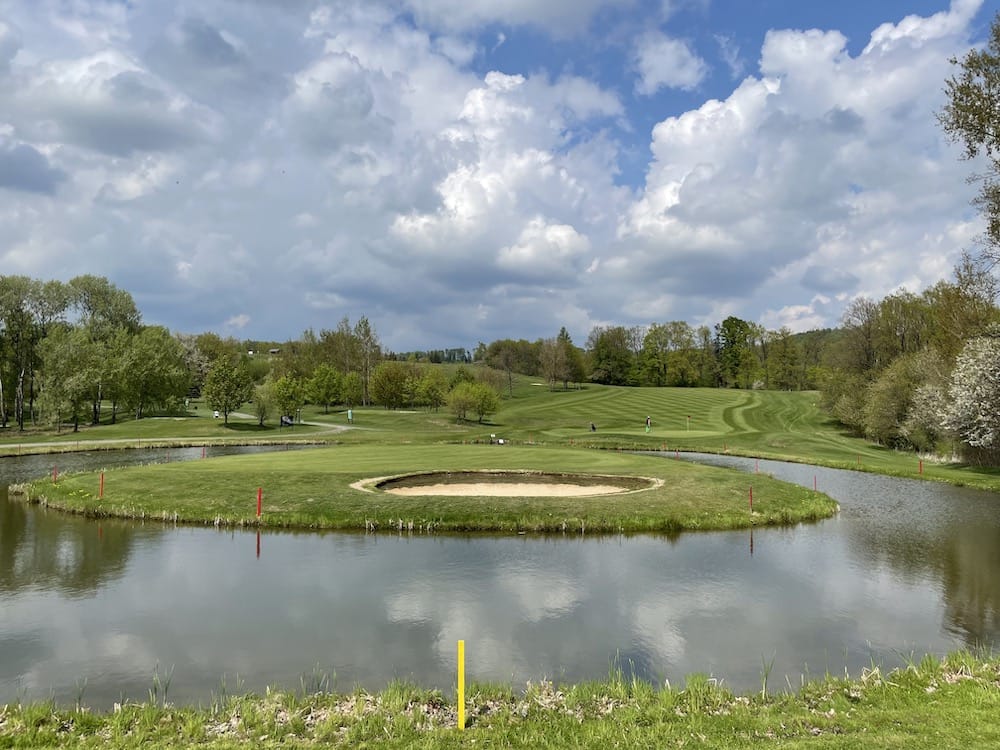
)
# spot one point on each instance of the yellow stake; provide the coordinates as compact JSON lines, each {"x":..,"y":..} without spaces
{"x":461,"y":685}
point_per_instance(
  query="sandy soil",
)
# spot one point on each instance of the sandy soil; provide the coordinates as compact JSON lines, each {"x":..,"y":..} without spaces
{"x":487,"y":489}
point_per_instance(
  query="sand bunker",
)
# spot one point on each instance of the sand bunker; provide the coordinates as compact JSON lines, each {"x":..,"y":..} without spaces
{"x":485,"y":489}
{"x":507,"y":484}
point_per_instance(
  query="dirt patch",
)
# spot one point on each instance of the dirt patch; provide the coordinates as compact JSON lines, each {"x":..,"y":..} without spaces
{"x":507,"y":484}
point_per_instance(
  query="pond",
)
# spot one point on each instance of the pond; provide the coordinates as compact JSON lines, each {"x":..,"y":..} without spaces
{"x":105,"y":611}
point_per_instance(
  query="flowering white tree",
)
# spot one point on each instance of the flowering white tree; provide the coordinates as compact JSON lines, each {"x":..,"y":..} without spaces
{"x":973,"y":411}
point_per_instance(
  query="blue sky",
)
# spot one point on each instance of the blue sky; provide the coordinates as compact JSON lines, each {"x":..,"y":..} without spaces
{"x":465,"y":171}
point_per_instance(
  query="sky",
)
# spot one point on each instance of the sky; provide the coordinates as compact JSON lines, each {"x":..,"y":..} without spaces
{"x":461,"y":171}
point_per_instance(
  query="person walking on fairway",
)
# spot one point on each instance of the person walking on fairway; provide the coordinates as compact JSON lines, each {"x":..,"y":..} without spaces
{"x":649,"y":423}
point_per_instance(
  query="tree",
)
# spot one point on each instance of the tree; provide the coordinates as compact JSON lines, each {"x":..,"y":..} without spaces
{"x":263,"y":402}
{"x":612,"y":361}
{"x":973,"y":410}
{"x":462,"y":374}
{"x":353,"y":389}
{"x":103,"y":310}
{"x":388,"y":385}
{"x":553,"y":361}
{"x":462,"y":399}
{"x":433,"y":388}
{"x":71,"y":364}
{"x":923,"y":428}
{"x":784,"y":362}
{"x":370,"y":351}
{"x":227,"y":387}
{"x":972,"y":117}
{"x":737,"y":362}
{"x":573,"y":369}
{"x":503,"y":356}
{"x":843,"y":395}
{"x":20,"y":339}
{"x":888,"y":401}
{"x":324,"y":386}
{"x":486,"y":400}
{"x":963,"y":308}
{"x":211,"y":347}
{"x":858,"y":350}
{"x":288,"y":395}
{"x":155,"y":374}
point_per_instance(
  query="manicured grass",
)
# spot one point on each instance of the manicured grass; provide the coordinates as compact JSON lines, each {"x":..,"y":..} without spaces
{"x":765,"y":424}
{"x":312,"y":489}
{"x":932,"y":704}
{"x":196,"y":426}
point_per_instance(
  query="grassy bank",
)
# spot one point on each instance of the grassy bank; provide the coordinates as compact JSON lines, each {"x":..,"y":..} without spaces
{"x":312,"y":488}
{"x":951,"y":703}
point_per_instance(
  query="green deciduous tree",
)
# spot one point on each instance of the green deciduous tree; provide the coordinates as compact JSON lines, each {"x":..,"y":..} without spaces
{"x":388,"y":386}
{"x":71,"y":364}
{"x":289,"y":395}
{"x":573,"y":370}
{"x":784,"y":364}
{"x":324,"y":386}
{"x":227,"y":387}
{"x":462,"y":399}
{"x":353,"y":389}
{"x":155,"y":374}
{"x":888,"y":401}
{"x":972,"y":117}
{"x":486,"y":400}
{"x":612,"y":360}
{"x":738,"y":365}
{"x":433,"y":388}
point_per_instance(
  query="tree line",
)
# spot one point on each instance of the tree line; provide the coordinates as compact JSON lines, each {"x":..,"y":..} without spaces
{"x":78,"y":353}
{"x":914,"y":371}
{"x":910,"y":371}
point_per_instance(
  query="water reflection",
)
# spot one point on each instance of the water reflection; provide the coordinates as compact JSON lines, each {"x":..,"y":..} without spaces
{"x":905,"y":567}
{"x":50,"y":551}
{"x":926,"y":534}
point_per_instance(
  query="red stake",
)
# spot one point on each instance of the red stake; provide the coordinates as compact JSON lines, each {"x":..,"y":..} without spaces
{"x":260,"y":495}
{"x":55,"y":474}
{"x":102,"y":485}
{"x":921,"y":466}
{"x":814,"y":482}
{"x":203,"y":451}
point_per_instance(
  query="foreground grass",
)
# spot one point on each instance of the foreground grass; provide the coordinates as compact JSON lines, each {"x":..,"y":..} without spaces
{"x":312,"y":488}
{"x":951,"y":703}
